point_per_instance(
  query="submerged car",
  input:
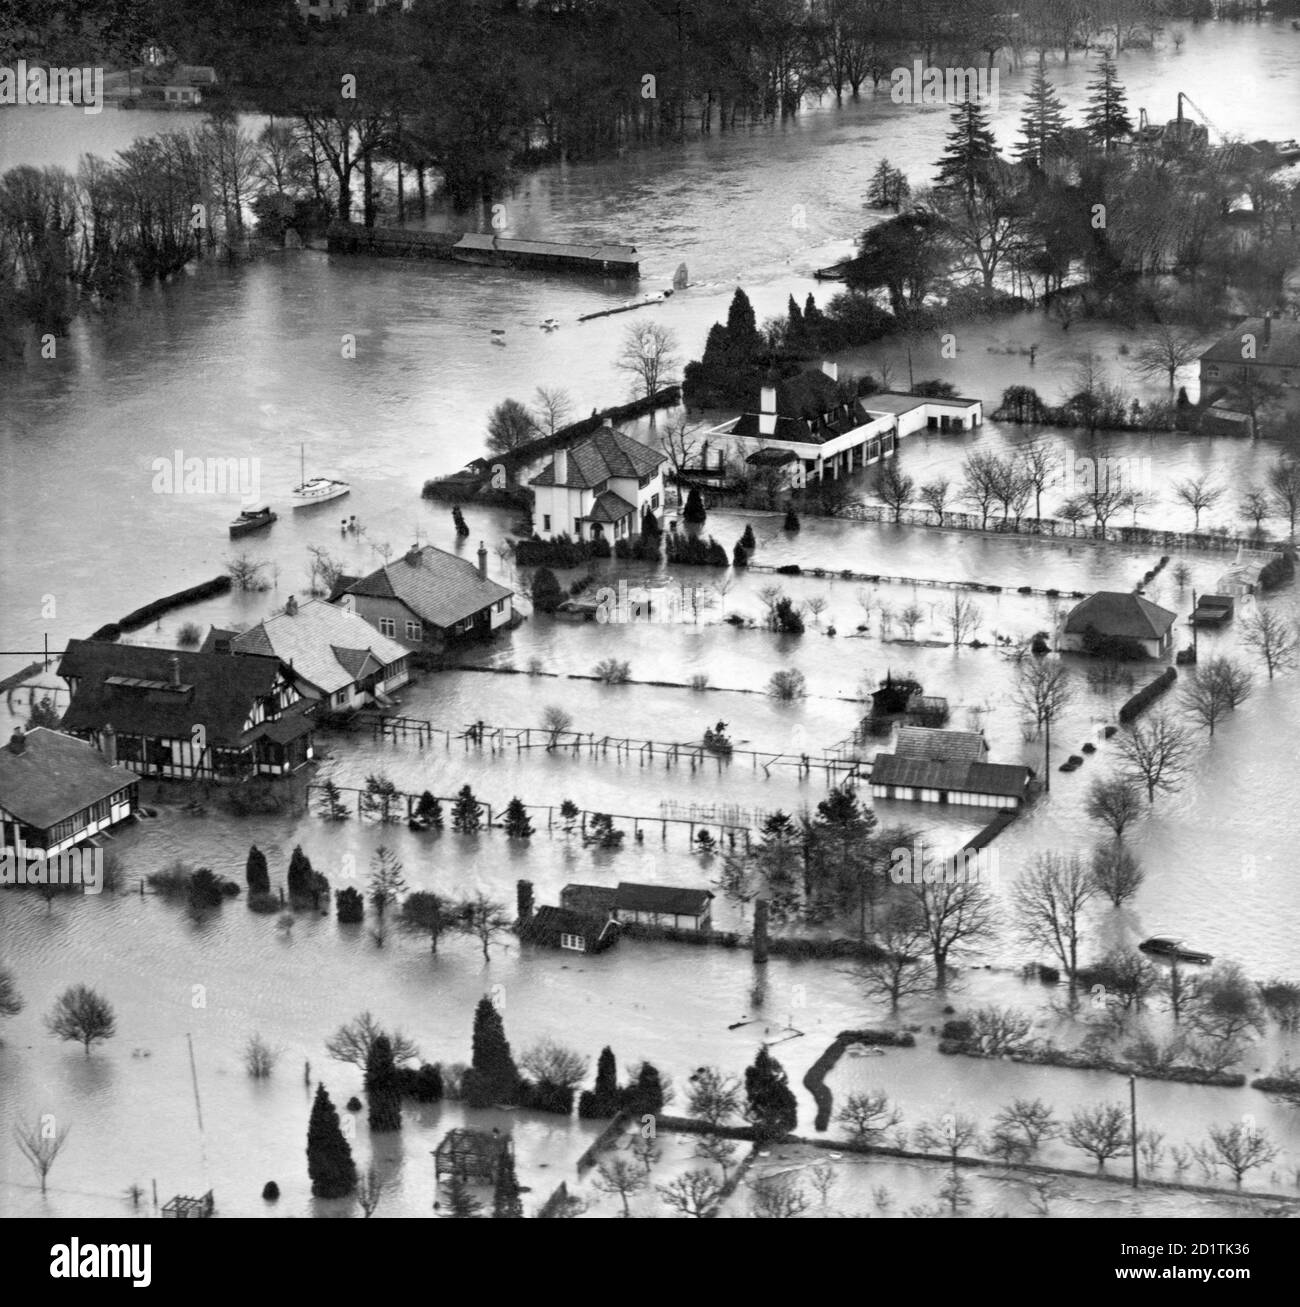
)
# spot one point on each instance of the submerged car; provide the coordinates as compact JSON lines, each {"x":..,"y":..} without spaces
{"x":1166,"y":946}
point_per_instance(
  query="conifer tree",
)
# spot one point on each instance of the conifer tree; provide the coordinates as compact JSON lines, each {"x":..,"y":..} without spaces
{"x":743,"y":338}
{"x":604,"y":1099}
{"x":466,"y":812}
{"x":694,"y":512}
{"x":300,"y":878}
{"x":1042,"y":125}
{"x":460,"y":1201}
{"x":383,"y":1090}
{"x":967,"y":162}
{"x":492,"y":1077}
{"x":516,"y":820}
{"x":770,"y":1105}
{"x":1106,"y":118}
{"x":349,"y":905}
{"x":645,"y":1096}
{"x":255,"y":872}
{"x":329,"y":1159}
{"x":506,"y":1201}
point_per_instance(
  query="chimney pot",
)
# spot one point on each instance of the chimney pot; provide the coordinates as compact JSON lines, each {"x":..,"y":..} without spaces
{"x":108,"y":743}
{"x":482,"y":561}
{"x":18,"y":742}
{"x":291,"y":607}
{"x":176,"y":670}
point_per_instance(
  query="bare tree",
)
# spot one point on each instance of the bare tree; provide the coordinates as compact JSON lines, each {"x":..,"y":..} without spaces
{"x":904,"y":970}
{"x":551,"y":406}
{"x":1165,"y":349}
{"x":1272,"y":637}
{"x":909,"y":618}
{"x":1049,"y":899}
{"x":696,"y":1193}
{"x":1043,"y":690}
{"x":715,"y":1099}
{"x":648,"y":354}
{"x":1037,"y":466}
{"x":1284,"y":486}
{"x":681,"y":442}
{"x":822,"y":1178}
{"x":369,"y":1191}
{"x":867,"y":1115}
{"x":552,"y":1063}
{"x":953,"y":913}
{"x":980,"y":478}
{"x":1101,"y":1131}
{"x":1241,"y":1147}
{"x":353,"y":1042}
{"x":936,"y":495}
{"x":1255,"y":506}
{"x":778,"y":1198}
{"x":484,"y":918}
{"x":1029,"y":1119}
{"x":1157,"y":754}
{"x":244,"y":573}
{"x":259,"y":1057}
{"x":555,"y":720}
{"x":1215,"y":689}
{"x":1116,"y":873}
{"x":999,"y":1030}
{"x":510,"y":425}
{"x":41,"y":1145}
{"x":949,"y":1134}
{"x":622,"y":1177}
{"x":82,"y":1016}
{"x":1198,"y":493}
{"x":324,"y":571}
{"x":893,"y":487}
{"x":963,"y":619}
{"x":1115,"y":802}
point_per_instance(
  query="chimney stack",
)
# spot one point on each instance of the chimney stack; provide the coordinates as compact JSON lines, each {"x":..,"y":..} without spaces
{"x":108,"y":743}
{"x":767,"y":411}
{"x":561,"y":466}
{"x":413,"y":555}
{"x":291,"y":607}
{"x":18,"y":742}
{"x":482,"y":561}
{"x":176,"y":670}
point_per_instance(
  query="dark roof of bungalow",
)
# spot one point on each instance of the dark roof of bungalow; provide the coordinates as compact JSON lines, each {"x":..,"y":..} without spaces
{"x":130,"y":688}
{"x":549,"y":922}
{"x":602,"y":455}
{"x":56,"y":776}
{"x":1006,"y":779}
{"x":632,"y":897}
{"x":928,"y":744}
{"x":1118,"y":613}
{"x":436,"y":586}
{"x":1282,"y":350}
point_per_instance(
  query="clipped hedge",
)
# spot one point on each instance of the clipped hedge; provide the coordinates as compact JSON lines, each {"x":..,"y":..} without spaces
{"x":219,"y":585}
{"x":1147,"y":695}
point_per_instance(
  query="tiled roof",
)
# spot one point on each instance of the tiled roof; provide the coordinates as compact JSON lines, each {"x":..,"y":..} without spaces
{"x":588,"y":900}
{"x":631,"y":897}
{"x":609,"y":507}
{"x":55,"y":776}
{"x":436,"y":586}
{"x":327,"y":646}
{"x":219,"y":691}
{"x":548,"y":923}
{"x":1117,"y":613}
{"x":604,"y":454}
{"x":930,"y":745}
{"x":961,"y":778}
{"x":1282,"y":351}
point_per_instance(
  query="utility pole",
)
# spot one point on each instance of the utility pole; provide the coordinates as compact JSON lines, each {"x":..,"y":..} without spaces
{"x":1195,"y":633}
{"x":1133,"y":1124}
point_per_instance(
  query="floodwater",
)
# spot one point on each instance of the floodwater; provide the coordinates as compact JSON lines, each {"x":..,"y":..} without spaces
{"x":248,"y":362}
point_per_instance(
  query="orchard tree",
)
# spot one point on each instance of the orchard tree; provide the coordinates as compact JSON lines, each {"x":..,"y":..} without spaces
{"x":1272,"y":637}
{"x":1115,"y":802}
{"x":1157,"y":754}
{"x":426,"y":913}
{"x":1049,"y":899}
{"x":352,"y":1043}
{"x":1100,"y":1131}
{"x":82,"y":1016}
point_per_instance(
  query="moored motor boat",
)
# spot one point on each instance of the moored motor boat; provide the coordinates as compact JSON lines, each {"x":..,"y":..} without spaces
{"x":1168,"y":946}
{"x":251,"y":519}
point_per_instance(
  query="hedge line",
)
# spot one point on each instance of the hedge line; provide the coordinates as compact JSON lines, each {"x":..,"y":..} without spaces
{"x":219,"y":585}
{"x":1147,"y":695}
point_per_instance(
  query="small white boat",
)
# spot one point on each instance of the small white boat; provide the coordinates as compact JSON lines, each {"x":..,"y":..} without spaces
{"x":550,"y":324}
{"x":319,"y":490}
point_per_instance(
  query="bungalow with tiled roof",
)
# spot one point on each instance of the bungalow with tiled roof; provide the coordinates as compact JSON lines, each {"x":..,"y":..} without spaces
{"x":186,"y":715}
{"x":1116,"y":622}
{"x":428,"y":599}
{"x":935,"y":766}
{"x":805,"y":430}
{"x":1262,"y":349}
{"x":565,"y":928}
{"x":57,"y":791}
{"x":651,"y":905}
{"x":333,"y":655}
{"x":602,"y":485}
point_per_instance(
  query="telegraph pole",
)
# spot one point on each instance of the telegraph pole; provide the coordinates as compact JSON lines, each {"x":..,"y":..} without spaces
{"x":1133,"y":1124}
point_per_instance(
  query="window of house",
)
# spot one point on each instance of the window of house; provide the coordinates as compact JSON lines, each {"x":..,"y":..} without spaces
{"x":464,"y":626}
{"x":571,"y":941}
{"x":414,"y":631}
{"x":501,"y":605}
{"x":600,"y":489}
{"x":340,"y":698}
{"x":388,"y":626}
{"x":546,"y":521}
{"x":642,"y":482}
{"x":577,"y":527}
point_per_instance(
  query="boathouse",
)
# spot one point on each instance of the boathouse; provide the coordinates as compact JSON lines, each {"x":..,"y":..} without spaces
{"x":601,"y":485}
{"x":507,"y":252}
{"x":184,"y":715}
{"x":57,"y":791}
{"x":429,"y":599}
{"x":333,"y":655}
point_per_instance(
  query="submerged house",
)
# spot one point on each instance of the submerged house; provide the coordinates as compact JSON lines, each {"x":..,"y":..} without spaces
{"x":429,"y":599}
{"x":600,"y":486}
{"x":569,"y":929}
{"x":937,"y":766}
{"x":1255,"y":350}
{"x":184,"y":715}
{"x":57,"y":791}
{"x":332,"y":655}
{"x":1119,"y":623}
{"x":635,"y":904}
{"x":804,"y":430}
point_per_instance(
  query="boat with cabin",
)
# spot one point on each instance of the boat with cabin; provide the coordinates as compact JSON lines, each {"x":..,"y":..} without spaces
{"x":251,"y":519}
{"x":319,"y":490}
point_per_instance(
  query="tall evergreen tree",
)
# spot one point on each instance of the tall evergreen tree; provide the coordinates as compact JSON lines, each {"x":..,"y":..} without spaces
{"x":1106,"y":119}
{"x":506,"y":1201}
{"x":460,"y":1200}
{"x":255,"y":872}
{"x":1042,"y":125}
{"x":329,"y":1159}
{"x":645,"y":1096}
{"x":770,"y":1105}
{"x":694,"y":512}
{"x":517,"y":823}
{"x":967,"y":162}
{"x":300,"y":876}
{"x":466,"y":812}
{"x":743,"y":338}
{"x":383,"y":1089}
{"x":492,"y":1077}
{"x":605,"y":1098}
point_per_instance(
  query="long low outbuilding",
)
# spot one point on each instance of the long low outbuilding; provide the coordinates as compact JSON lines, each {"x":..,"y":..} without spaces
{"x":976,"y":784}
